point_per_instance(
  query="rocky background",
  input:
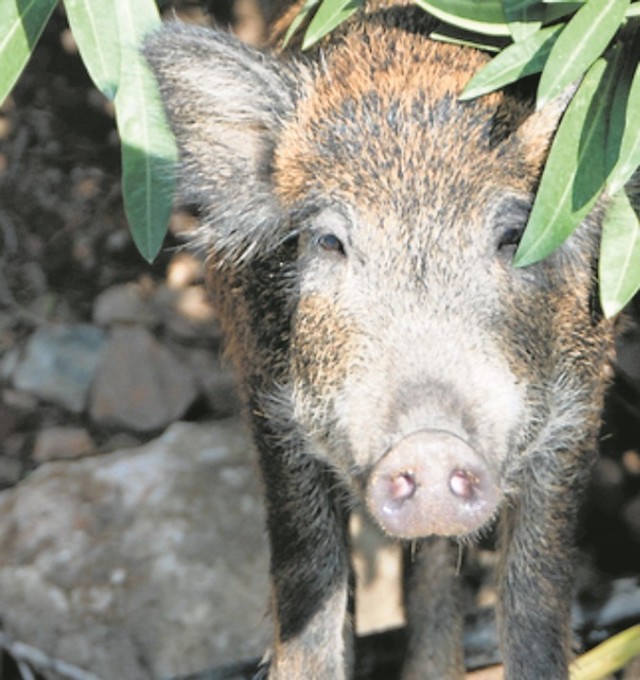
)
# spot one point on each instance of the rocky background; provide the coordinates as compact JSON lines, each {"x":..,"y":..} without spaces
{"x":131,"y":524}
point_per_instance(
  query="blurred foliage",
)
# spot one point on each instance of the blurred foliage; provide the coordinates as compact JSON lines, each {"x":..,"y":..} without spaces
{"x":108,"y":35}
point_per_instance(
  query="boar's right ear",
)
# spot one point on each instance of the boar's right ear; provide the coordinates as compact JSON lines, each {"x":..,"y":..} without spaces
{"x":226,"y":104}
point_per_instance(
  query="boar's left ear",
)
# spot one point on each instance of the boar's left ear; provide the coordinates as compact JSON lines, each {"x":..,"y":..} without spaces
{"x":537,"y":131}
{"x":226,"y":103}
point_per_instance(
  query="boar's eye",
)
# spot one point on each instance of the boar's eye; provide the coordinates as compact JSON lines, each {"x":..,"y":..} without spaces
{"x":509,"y":220}
{"x":331,"y":243}
{"x":509,"y":237}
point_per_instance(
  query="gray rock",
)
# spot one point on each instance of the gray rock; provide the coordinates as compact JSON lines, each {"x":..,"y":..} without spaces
{"x":10,"y":466}
{"x":144,"y":563}
{"x":62,"y":442}
{"x":21,"y":401}
{"x":59,"y":364}
{"x":9,"y":361}
{"x":140,"y":384}
{"x":188,"y":313}
{"x":214,"y":377}
{"x":125,"y":303}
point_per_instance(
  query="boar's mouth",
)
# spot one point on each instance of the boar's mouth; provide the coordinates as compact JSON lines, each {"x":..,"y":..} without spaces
{"x":432,"y":482}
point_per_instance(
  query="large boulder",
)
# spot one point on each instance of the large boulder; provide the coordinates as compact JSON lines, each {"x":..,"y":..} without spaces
{"x":143,"y":563}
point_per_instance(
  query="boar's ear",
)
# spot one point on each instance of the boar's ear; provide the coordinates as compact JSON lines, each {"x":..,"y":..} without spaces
{"x":226,"y":103}
{"x":536,"y":133}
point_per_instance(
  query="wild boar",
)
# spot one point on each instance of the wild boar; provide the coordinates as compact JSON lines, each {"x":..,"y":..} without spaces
{"x":361,"y":224}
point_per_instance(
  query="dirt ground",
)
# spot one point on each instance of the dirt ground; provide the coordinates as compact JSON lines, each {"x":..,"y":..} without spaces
{"x":64,"y":239}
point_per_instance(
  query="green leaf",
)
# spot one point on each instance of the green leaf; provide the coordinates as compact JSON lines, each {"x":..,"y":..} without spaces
{"x":583,"y":40}
{"x":21,"y":23}
{"x":619,"y":265}
{"x":95,"y":29}
{"x":633,"y":11}
{"x":576,"y":171}
{"x":516,"y":61}
{"x":307,"y":8}
{"x":457,"y":36}
{"x":552,"y":10}
{"x":330,"y":14}
{"x":148,"y":148}
{"x":625,"y":127}
{"x":524,"y":17}
{"x":485,"y":17}
{"x":559,"y":10}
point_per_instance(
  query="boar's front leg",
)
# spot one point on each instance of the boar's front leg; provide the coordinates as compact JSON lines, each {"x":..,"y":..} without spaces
{"x":537,"y":569}
{"x":435,"y":621}
{"x":307,"y":527}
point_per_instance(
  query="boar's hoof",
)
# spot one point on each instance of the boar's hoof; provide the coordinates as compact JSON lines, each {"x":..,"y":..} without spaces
{"x":432,"y":483}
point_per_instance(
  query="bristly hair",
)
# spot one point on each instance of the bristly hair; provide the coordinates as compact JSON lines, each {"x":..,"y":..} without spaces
{"x":227,"y":103}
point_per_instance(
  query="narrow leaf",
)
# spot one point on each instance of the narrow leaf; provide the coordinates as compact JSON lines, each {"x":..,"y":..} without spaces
{"x":524,"y":17}
{"x":300,"y":18}
{"x":330,"y":14}
{"x":596,"y":167}
{"x":457,"y":36}
{"x":575,"y":172}
{"x":514,"y":62}
{"x":619,"y":265}
{"x":95,"y":29}
{"x":634,"y":10}
{"x":559,"y":10}
{"x":480,"y":17}
{"x":608,"y":657}
{"x":625,"y":128}
{"x":21,"y":23}
{"x":148,"y":149}
{"x":583,"y":40}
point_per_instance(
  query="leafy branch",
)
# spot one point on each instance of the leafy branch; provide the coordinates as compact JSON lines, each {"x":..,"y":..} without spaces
{"x":108,"y":35}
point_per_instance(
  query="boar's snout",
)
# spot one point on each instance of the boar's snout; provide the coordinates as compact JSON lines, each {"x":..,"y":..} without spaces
{"x":432,"y":483}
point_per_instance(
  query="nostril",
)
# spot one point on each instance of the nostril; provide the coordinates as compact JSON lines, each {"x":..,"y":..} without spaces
{"x":463,"y":483}
{"x":403,"y":486}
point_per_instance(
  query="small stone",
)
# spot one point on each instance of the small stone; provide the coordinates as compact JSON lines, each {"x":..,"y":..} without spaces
{"x":9,"y":363}
{"x":214,"y":378}
{"x":140,"y":384}
{"x":125,"y":303}
{"x":188,"y":312}
{"x":13,"y":445}
{"x":57,"y":443}
{"x":21,"y":401}
{"x":59,"y":364}
{"x":10,"y":470}
{"x":120,"y":441}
